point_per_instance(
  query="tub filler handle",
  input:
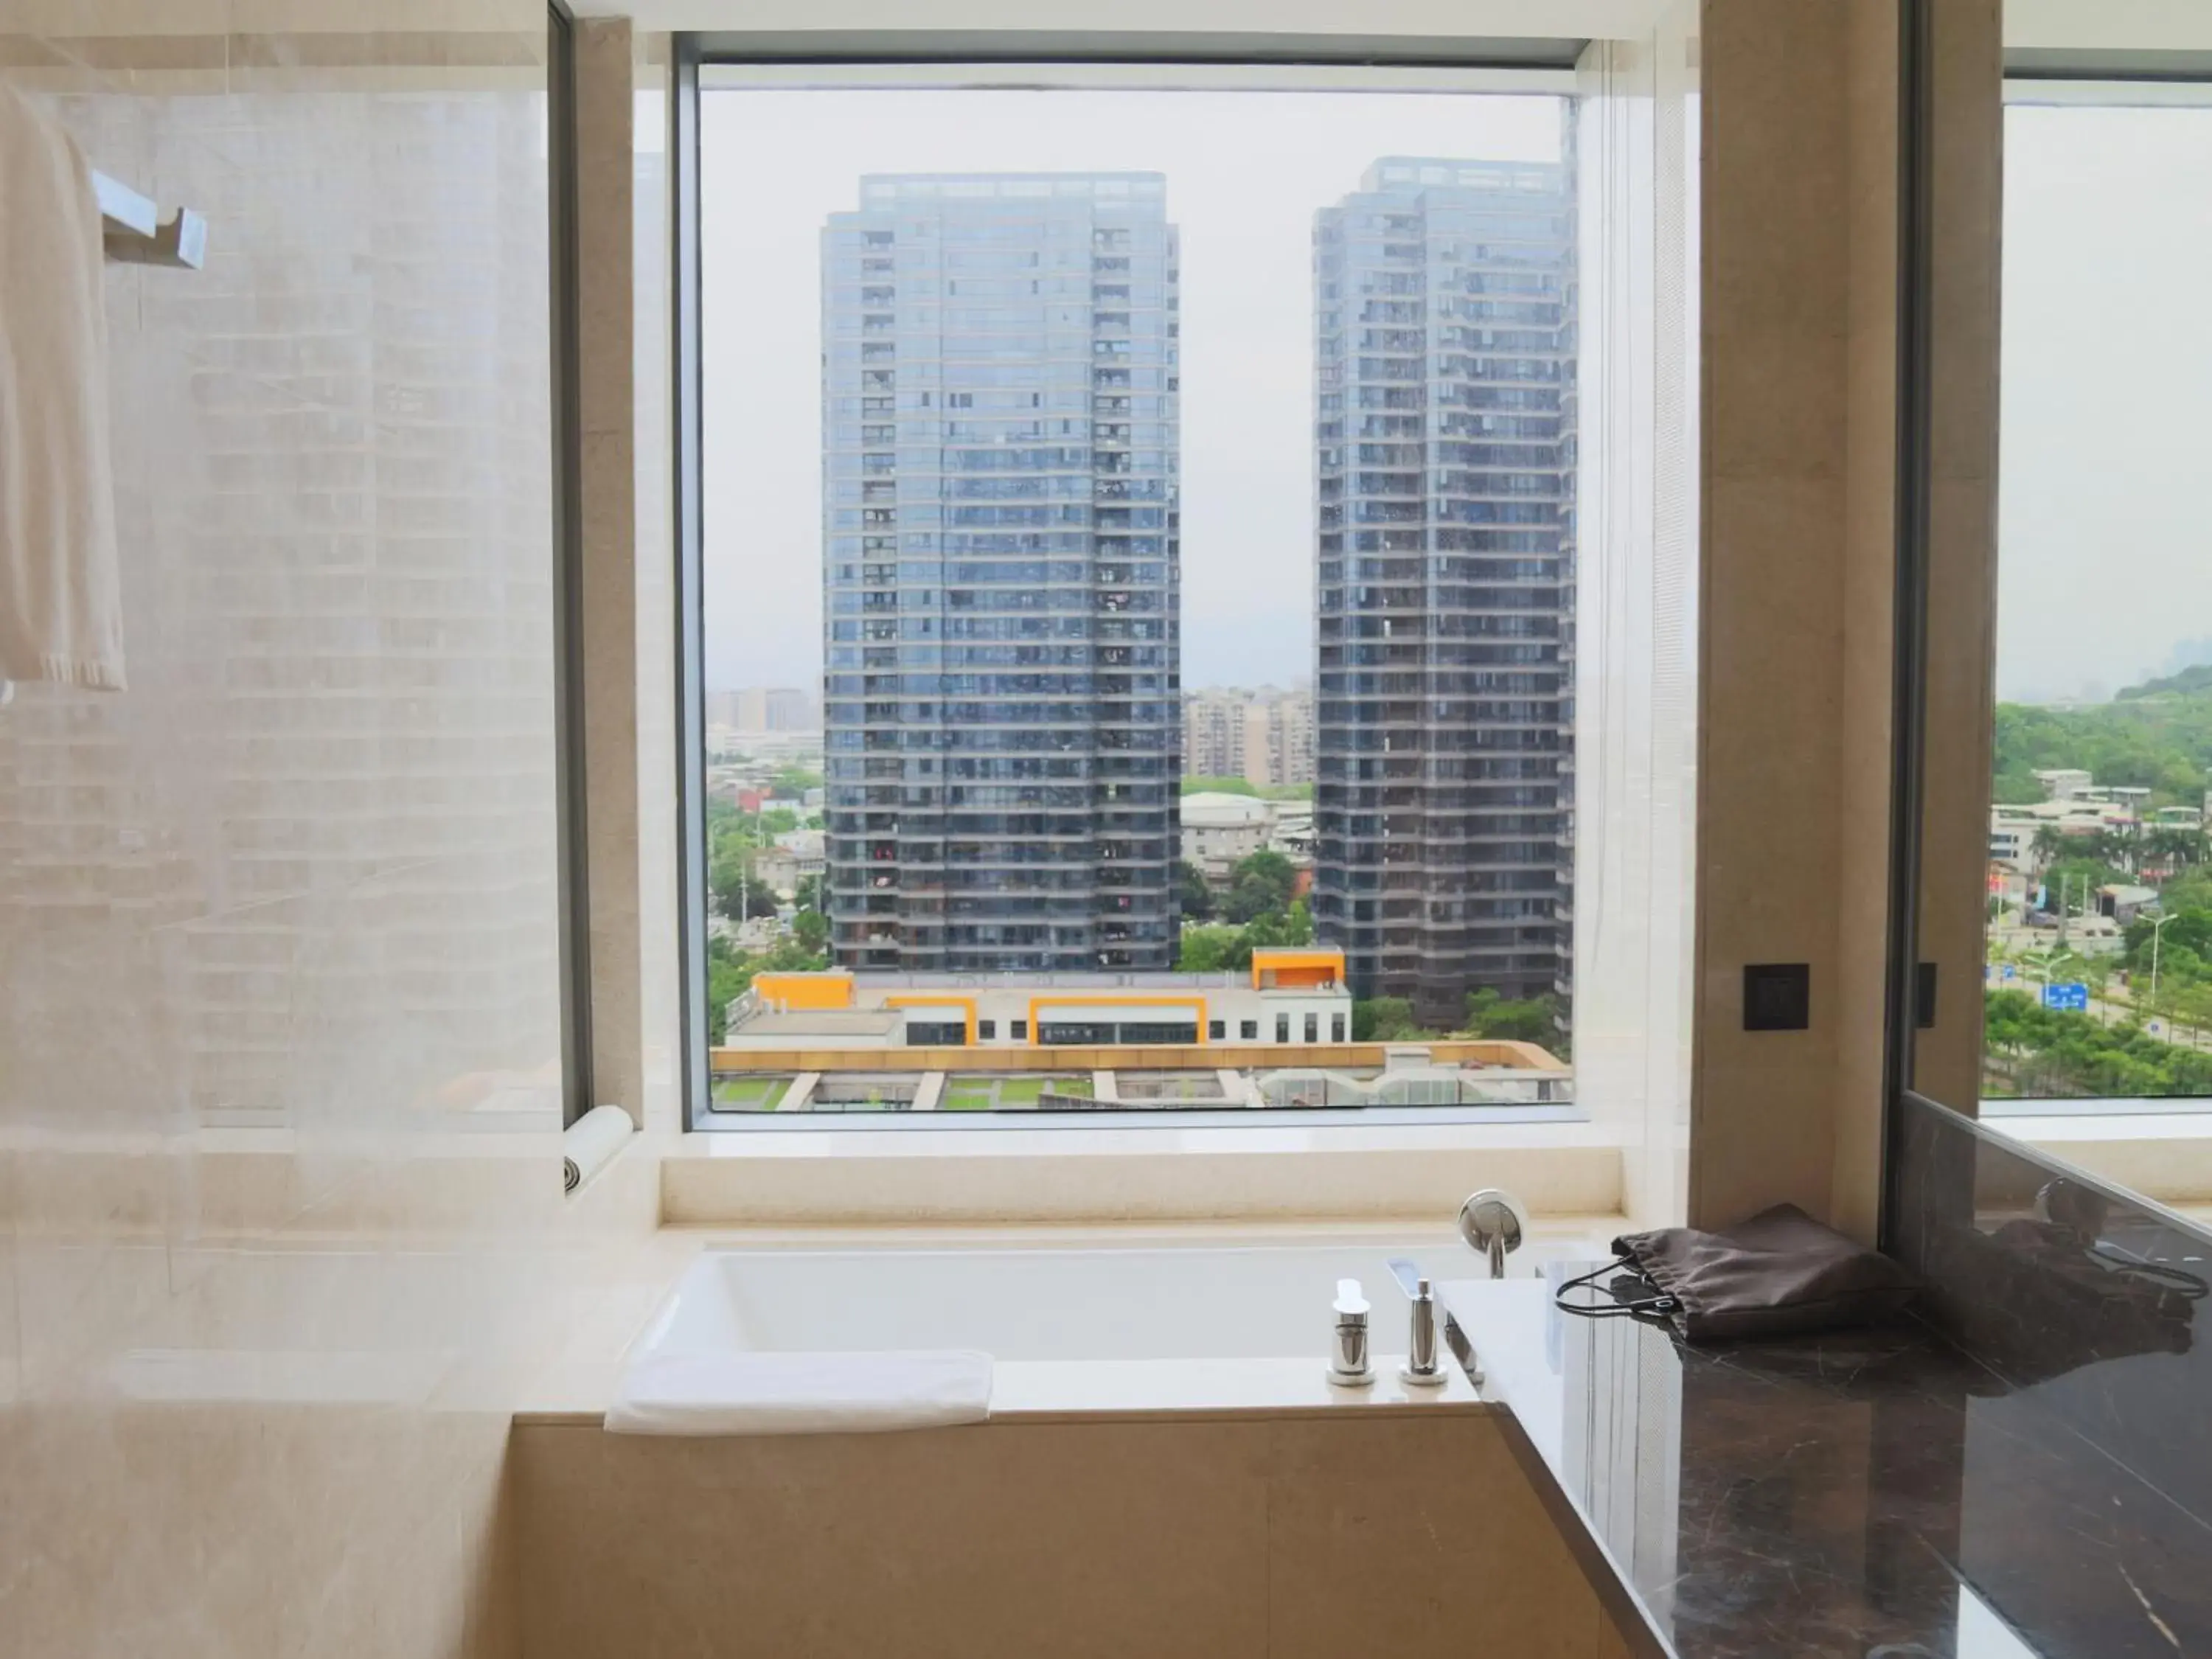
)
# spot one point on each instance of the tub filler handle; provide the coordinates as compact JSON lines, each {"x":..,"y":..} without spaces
{"x":1348,"y":1366}
{"x":1421,"y":1368}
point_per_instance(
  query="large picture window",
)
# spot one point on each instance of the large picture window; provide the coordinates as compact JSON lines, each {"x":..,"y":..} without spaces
{"x":2100,"y":896}
{"x":1137,"y":574}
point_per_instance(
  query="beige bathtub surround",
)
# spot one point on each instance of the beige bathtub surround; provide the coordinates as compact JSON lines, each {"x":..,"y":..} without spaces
{"x":1288,"y":1534}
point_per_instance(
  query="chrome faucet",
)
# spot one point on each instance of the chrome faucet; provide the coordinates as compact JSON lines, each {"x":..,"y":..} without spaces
{"x":1493,"y":1223}
{"x":1421,"y":1369}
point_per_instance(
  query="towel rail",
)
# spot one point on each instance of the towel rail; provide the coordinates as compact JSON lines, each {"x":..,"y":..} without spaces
{"x":134,"y":232}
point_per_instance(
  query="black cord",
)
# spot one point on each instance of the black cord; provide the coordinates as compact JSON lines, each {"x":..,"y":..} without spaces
{"x":2179,"y":1280}
{"x":1656,"y":1305}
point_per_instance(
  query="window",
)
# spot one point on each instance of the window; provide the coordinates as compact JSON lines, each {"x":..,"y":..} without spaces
{"x":987,"y":1029}
{"x":931,"y":1033}
{"x":2099,"y":948}
{"x":970,"y":715}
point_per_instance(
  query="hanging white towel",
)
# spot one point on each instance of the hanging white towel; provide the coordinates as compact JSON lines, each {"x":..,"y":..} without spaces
{"x":61,"y":607}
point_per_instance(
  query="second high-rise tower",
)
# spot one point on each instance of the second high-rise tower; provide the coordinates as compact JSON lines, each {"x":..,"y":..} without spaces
{"x":1445,"y":446}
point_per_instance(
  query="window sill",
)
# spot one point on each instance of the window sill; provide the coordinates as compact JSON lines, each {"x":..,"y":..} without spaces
{"x":2160,"y":1149}
{"x":991,"y":1175}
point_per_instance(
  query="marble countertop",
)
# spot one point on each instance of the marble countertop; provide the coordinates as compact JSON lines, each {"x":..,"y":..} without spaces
{"x":1870,"y":1494}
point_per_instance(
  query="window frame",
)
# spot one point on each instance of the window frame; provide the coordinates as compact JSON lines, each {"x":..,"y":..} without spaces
{"x":2149,"y":77}
{"x":1128,"y":60}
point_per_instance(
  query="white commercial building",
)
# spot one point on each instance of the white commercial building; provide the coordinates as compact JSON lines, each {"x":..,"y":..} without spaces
{"x":1290,"y":996}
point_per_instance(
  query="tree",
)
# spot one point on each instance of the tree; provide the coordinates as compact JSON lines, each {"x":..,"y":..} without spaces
{"x":2185,"y":944}
{"x":731,"y":882}
{"x":1261,"y":882}
{"x":796,"y":780}
{"x":2034,"y":1051}
{"x":1193,"y":897}
{"x":811,"y":928}
{"x":1383,"y":1019}
{"x":727,"y":980}
{"x":2173,"y":846}
{"x":1531,"y":1020}
{"x":2078,"y":879}
{"x":1213,"y":950}
{"x":1279,"y":929}
{"x":809,"y":896}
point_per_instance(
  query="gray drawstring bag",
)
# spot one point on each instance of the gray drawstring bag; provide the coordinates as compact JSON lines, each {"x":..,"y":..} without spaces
{"x":1779,"y":1274}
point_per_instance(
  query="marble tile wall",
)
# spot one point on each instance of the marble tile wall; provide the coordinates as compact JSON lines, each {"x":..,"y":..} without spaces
{"x":2086,"y":1302}
{"x":1774,"y":276}
{"x":282,"y":1234}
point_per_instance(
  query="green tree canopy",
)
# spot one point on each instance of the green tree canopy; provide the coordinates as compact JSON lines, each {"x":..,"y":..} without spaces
{"x":1193,"y":897}
{"x":1531,"y":1020}
{"x":1384,"y":1019}
{"x":1260,"y":884}
{"x":2155,"y":736}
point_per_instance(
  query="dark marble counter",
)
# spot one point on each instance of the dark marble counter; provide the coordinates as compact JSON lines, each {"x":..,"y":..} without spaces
{"x":1872,"y":1493}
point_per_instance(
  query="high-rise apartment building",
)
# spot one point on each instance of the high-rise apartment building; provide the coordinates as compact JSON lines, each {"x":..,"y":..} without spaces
{"x":1263,"y":737}
{"x":1278,"y":738}
{"x":1213,"y":734}
{"x":1001,"y":573}
{"x":1444,"y":327}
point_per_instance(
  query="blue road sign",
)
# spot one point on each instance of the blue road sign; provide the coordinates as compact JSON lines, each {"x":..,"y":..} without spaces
{"x":2073,"y":998}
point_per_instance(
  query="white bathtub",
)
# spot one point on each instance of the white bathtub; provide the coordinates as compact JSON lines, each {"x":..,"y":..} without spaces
{"x":1105,"y":1326}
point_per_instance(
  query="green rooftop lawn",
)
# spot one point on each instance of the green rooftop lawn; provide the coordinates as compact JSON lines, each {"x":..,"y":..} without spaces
{"x":978,"y":1091}
{"x":749,"y":1093}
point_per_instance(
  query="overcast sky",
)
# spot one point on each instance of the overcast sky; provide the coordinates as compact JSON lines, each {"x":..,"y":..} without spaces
{"x":2105,"y":539}
{"x":1245,"y":172}
{"x":2105,"y":565}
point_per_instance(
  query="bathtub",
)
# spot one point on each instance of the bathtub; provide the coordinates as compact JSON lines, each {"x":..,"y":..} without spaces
{"x":1112,"y":1325}
{"x":1163,"y":1468}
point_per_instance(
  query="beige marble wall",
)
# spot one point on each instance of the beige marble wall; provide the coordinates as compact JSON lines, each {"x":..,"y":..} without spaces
{"x":607,"y":485}
{"x":1868,"y":607}
{"x":1274,"y":1536}
{"x":1800,"y":200}
{"x":281,"y":1236}
{"x":1799,"y":225}
{"x":1775,"y":258}
{"x":1967,"y":191}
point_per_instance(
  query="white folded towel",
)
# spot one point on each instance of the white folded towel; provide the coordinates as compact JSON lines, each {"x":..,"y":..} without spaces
{"x":800,"y":1393}
{"x":61,"y":609}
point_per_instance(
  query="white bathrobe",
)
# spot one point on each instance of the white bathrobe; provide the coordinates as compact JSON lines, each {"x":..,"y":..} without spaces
{"x":61,"y":609}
